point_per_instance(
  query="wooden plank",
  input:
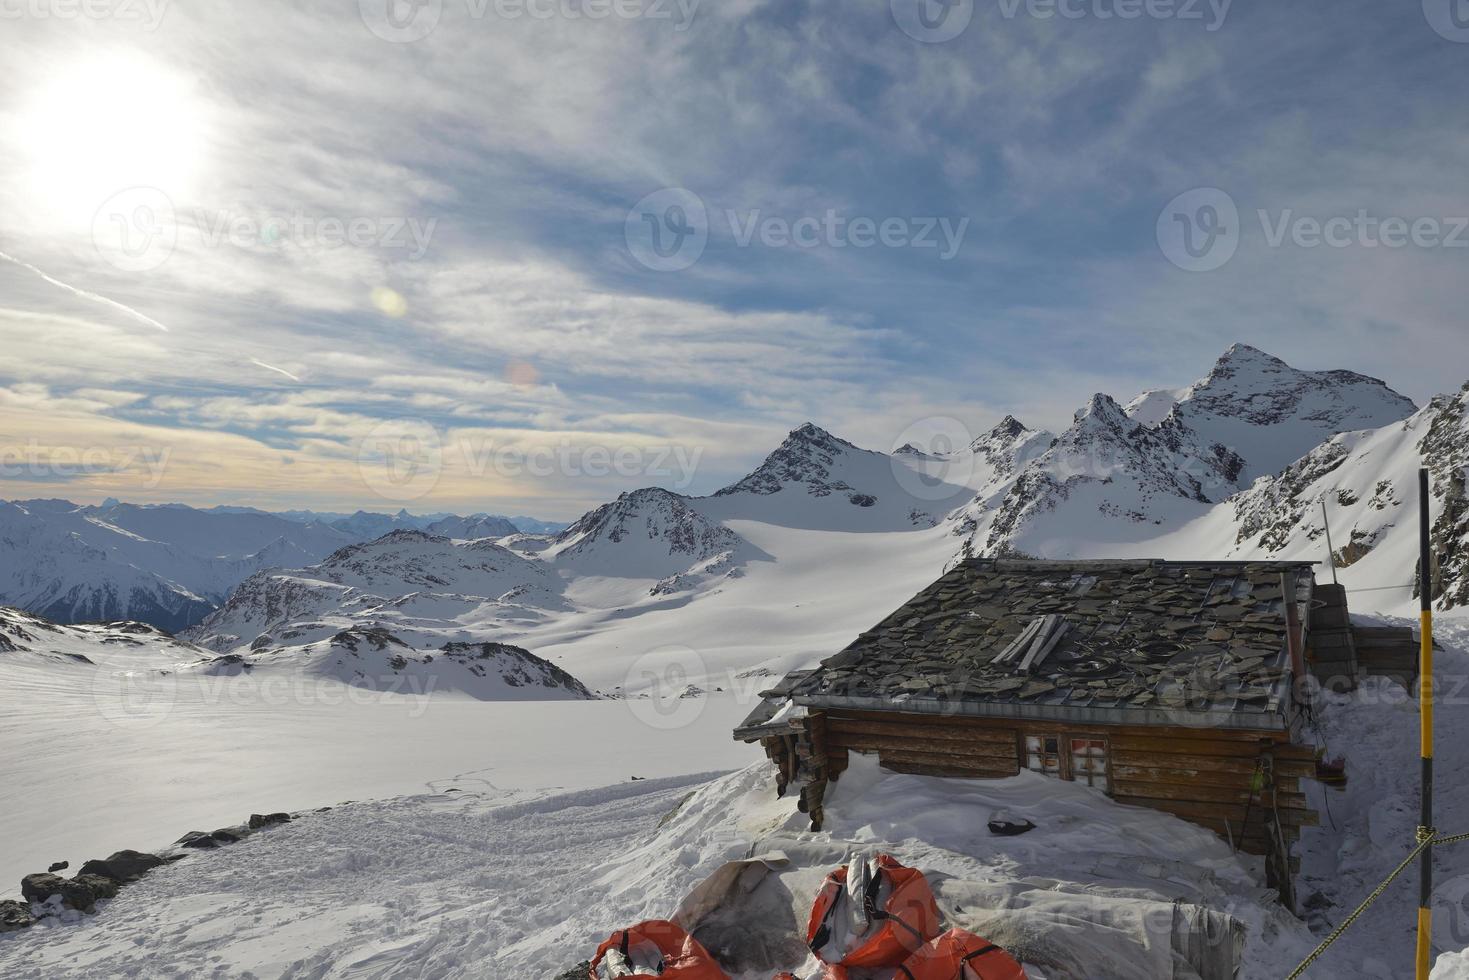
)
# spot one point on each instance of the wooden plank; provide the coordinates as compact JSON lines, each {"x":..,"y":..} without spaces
{"x":1207,"y":745}
{"x":951,"y":733}
{"x":874,"y":743}
{"x":1189,"y":746}
{"x":1199,"y":793}
{"x":1217,"y":811}
{"x":1053,"y":727}
{"x":956,"y":764}
{"x":948,"y":772}
{"x":1206,"y":777}
{"x":1205,"y":763}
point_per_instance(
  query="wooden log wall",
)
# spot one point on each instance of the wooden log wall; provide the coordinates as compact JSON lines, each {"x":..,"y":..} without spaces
{"x":1232,"y":782}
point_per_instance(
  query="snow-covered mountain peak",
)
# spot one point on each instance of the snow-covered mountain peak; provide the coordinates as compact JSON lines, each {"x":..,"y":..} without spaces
{"x":1007,"y":430}
{"x":1101,"y":415}
{"x":1270,"y":414}
{"x":648,"y":533}
{"x":806,"y":456}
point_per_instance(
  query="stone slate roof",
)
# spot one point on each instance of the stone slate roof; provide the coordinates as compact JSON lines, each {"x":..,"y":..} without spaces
{"x":1146,"y":642}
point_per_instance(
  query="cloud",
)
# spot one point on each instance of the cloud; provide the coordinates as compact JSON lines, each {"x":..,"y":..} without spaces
{"x":488,"y":170}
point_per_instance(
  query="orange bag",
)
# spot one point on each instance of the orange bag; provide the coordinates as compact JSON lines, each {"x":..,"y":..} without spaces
{"x":899,"y":904}
{"x":947,"y":957}
{"x":659,"y":942}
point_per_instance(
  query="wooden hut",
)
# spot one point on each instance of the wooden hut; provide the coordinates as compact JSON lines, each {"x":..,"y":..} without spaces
{"x":1163,"y":684}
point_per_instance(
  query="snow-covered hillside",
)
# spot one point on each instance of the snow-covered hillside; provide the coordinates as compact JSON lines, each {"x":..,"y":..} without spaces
{"x":417,"y":591}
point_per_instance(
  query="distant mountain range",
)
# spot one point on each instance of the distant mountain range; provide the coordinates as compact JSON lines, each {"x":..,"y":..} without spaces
{"x":812,"y":545}
{"x":169,"y":564}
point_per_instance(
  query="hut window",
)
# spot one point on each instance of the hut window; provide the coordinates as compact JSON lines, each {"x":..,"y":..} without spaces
{"x":1043,"y":754}
{"x":1089,"y":762}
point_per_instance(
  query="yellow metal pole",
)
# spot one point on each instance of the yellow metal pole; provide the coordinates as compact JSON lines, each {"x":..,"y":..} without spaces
{"x":1425,"y":727}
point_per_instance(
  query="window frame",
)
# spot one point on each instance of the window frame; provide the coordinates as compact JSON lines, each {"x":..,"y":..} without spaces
{"x":1065,"y":771}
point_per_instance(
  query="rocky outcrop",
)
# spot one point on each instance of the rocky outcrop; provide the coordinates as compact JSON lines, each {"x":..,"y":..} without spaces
{"x":47,"y":893}
{"x":122,"y":867}
{"x":805,"y":458}
{"x":15,"y":916}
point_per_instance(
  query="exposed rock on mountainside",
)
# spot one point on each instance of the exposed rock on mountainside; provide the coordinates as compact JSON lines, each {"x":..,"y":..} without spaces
{"x":1445,"y":451}
{"x":652,"y":515}
{"x":1257,"y":408}
{"x":1369,"y":484}
{"x":517,"y":665}
{"x":805,"y":458}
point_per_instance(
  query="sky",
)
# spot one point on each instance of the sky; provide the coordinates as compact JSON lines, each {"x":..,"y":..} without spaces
{"x":520,"y":255}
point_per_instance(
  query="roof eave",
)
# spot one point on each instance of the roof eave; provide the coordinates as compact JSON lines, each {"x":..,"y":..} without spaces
{"x":1271,"y":721}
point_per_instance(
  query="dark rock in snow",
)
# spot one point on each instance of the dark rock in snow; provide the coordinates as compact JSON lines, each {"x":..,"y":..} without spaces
{"x":59,"y":866}
{"x":123,"y":867}
{"x":96,"y":886}
{"x":231,"y":835}
{"x":268,"y":820}
{"x":81,"y":892}
{"x":579,"y":972}
{"x":199,"y":839}
{"x":15,"y":916}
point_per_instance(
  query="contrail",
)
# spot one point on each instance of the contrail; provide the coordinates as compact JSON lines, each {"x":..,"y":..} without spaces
{"x":272,"y":367}
{"x":85,"y":294}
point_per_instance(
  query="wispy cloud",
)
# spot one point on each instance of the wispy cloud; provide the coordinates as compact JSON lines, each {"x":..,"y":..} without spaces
{"x":435,"y":231}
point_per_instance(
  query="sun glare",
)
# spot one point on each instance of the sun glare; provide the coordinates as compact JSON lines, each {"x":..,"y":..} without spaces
{"x":96,"y":128}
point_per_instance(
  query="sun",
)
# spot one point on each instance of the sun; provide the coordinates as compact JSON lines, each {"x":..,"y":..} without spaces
{"x":101,"y":126}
